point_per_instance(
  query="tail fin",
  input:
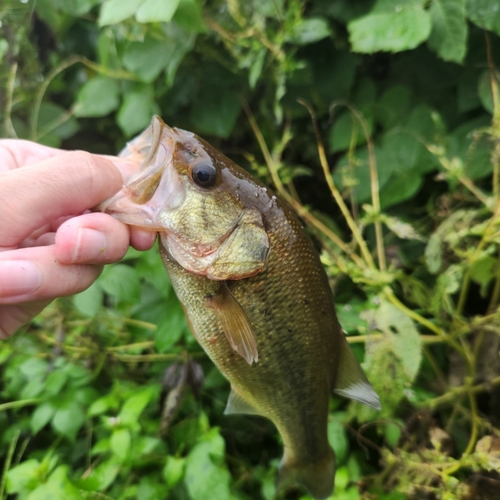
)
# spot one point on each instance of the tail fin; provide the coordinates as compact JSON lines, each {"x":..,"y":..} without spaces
{"x":318,"y":477}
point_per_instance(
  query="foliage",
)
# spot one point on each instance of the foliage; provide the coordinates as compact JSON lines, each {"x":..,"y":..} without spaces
{"x":102,"y":394}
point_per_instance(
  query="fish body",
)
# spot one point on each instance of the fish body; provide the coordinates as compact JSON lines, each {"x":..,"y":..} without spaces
{"x":254,"y":291}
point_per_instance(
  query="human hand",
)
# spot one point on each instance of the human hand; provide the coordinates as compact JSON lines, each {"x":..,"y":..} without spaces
{"x":50,"y":245}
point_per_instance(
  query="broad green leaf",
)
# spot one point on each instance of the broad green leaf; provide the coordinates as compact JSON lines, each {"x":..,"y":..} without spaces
{"x":484,"y":13}
{"x":393,"y":431}
{"x":89,"y":301}
{"x":55,"y":382}
{"x":215,"y":111}
{"x":173,"y":471}
{"x":41,"y":417}
{"x":449,"y":29}
{"x":338,"y":440}
{"x":149,"y":58}
{"x":203,"y":474}
{"x":447,"y":284}
{"x":98,"y":97}
{"x":256,"y":68}
{"x":135,"y":405}
{"x":482,"y":271}
{"x":68,"y":421}
{"x":121,"y":281}
{"x":393,"y":106}
{"x":310,"y":30}
{"x":347,"y":129}
{"x":102,"y":476}
{"x":136,"y":111}
{"x":34,"y":368}
{"x":155,"y":11}
{"x":120,"y":443}
{"x":391,"y":26}
{"x":406,"y":341}
{"x":23,"y":476}
{"x":115,"y":11}
{"x":55,"y":124}
{"x":58,"y":486}
{"x":189,"y":17}
{"x":172,"y":328}
{"x":345,"y":10}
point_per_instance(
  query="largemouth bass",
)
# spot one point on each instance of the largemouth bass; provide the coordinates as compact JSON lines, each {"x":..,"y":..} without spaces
{"x":253,"y":288}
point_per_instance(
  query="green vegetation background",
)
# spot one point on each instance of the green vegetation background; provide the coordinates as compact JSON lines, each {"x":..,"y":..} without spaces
{"x":106,"y":395}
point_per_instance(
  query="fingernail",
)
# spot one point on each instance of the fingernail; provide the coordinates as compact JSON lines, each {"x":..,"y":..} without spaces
{"x":90,"y":244}
{"x":18,"y":277}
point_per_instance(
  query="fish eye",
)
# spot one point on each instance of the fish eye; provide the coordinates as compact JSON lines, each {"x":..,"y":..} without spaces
{"x":204,"y":174}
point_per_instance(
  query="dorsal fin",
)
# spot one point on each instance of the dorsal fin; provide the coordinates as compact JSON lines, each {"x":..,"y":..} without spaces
{"x":235,"y":323}
{"x":351,"y":381}
{"x":236,"y":404}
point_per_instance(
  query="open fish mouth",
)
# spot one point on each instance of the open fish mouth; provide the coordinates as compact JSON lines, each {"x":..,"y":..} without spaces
{"x":156,"y":187}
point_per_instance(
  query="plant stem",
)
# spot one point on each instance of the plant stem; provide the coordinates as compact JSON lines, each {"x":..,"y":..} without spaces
{"x":8,"y":461}
{"x":336,"y":193}
{"x":19,"y":404}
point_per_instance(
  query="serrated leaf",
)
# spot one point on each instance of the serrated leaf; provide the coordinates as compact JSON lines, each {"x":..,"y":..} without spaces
{"x":485,"y":13}
{"x":391,"y":27}
{"x":402,"y":229}
{"x":156,"y":11}
{"x":449,"y":29}
{"x":115,"y":11}
{"x":98,"y":97}
{"x":121,"y":281}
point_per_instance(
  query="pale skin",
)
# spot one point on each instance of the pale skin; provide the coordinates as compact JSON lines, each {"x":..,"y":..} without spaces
{"x":50,"y":244}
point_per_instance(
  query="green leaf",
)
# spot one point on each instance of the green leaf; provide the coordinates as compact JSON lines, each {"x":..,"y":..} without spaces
{"x":68,"y":421}
{"x":203,"y":474}
{"x":391,"y":26}
{"x":215,"y":110}
{"x":4,"y":47}
{"x":55,"y":382}
{"x":55,"y":124}
{"x":338,"y":440}
{"x":345,"y":129}
{"x":449,"y":29}
{"x":89,"y":302}
{"x":172,"y":328}
{"x":173,"y":471}
{"x":484,"y":88}
{"x":102,"y":476}
{"x":135,"y":405}
{"x":58,"y":486}
{"x":189,"y":17}
{"x":136,"y":111}
{"x":98,"y":97}
{"x":115,"y":11}
{"x":156,"y":11}
{"x":121,"y":281}
{"x":120,"y":443}
{"x":485,"y":13}
{"x":310,"y":30}
{"x":149,"y":58}
{"x":23,"y":476}
{"x":393,"y":432}
{"x":41,"y":417}
{"x":482,"y":271}
{"x":75,"y":8}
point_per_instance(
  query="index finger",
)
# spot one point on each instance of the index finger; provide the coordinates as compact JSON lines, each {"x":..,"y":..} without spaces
{"x":66,"y":184}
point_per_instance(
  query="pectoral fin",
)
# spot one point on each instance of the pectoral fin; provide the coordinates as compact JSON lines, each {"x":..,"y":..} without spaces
{"x":236,"y":404}
{"x":351,"y":381}
{"x":235,"y":323}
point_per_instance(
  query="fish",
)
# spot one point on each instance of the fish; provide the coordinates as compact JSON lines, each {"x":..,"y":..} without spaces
{"x":253,"y":289}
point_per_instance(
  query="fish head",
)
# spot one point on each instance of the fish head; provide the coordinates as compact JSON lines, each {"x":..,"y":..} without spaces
{"x":197,"y":200}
